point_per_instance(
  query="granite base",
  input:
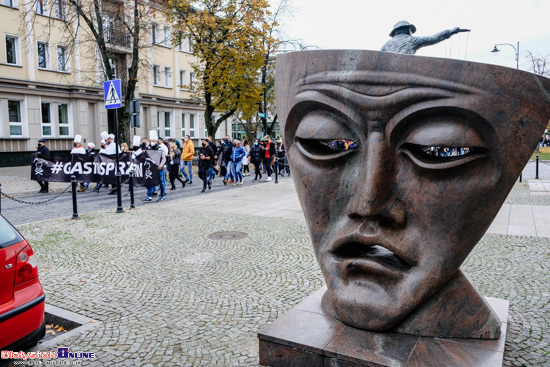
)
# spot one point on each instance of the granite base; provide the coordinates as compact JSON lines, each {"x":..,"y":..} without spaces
{"x":306,"y":336}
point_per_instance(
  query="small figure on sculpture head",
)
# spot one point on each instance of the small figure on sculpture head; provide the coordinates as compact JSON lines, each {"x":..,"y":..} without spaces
{"x":403,"y":42}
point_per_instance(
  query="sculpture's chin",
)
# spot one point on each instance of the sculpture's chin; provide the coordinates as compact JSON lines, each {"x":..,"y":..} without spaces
{"x":353,"y":308}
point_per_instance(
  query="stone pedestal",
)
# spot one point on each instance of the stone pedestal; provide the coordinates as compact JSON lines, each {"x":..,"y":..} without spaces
{"x":306,"y":336}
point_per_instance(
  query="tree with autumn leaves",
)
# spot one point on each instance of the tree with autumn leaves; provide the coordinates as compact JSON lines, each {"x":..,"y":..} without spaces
{"x":228,"y":40}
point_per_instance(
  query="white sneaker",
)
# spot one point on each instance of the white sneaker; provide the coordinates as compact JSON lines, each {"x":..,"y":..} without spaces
{"x":268,"y":179}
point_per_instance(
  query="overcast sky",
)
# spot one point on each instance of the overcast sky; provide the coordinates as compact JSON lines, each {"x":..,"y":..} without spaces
{"x":366,"y":24}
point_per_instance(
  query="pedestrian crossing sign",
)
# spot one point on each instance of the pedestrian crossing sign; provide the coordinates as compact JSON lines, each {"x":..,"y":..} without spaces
{"x":111,"y":93}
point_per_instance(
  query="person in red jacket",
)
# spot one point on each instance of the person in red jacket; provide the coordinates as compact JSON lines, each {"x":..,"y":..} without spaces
{"x":268,"y":149}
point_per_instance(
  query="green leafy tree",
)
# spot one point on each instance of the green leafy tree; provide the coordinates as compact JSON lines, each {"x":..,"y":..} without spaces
{"x":226,"y":37}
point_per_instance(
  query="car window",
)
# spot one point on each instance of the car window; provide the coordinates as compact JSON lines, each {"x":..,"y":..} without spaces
{"x":8,"y":234}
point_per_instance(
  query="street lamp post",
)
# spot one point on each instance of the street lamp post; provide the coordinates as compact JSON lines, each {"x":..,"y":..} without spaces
{"x":516,"y":49}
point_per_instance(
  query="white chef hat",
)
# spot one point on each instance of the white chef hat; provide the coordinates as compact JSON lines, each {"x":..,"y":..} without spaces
{"x":91,"y":145}
{"x":112,"y":136}
{"x":77,"y":138}
{"x":137,"y":140}
{"x":104,"y":135}
{"x":153,"y":135}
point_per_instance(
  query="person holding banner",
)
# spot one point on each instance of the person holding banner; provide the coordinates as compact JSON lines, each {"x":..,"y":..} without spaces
{"x":78,"y":149}
{"x":161,"y":167}
{"x":42,"y":151}
{"x":174,"y":170}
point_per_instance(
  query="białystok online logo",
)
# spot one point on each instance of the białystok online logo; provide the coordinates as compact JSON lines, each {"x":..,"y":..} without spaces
{"x":62,"y":353}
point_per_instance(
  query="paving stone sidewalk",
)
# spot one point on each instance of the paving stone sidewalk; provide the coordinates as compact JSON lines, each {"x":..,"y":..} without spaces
{"x":164,"y":294}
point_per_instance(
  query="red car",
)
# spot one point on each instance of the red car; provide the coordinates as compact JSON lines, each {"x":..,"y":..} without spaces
{"x":22,"y":322}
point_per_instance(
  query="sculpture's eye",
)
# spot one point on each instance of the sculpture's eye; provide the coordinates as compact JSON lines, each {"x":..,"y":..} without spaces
{"x":324,"y":135}
{"x":443,"y":142}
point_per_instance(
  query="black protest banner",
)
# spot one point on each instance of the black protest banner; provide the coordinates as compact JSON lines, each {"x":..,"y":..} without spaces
{"x":98,"y":168}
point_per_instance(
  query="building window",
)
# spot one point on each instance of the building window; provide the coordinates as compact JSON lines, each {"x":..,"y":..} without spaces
{"x":191,"y":81}
{"x":166,"y":40}
{"x":183,"y":129}
{"x":192,"y":125}
{"x":183,"y":79}
{"x":190,"y":41}
{"x":62,"y":58}
{"x":41,"y":7}
{"x":14,"y":113}
{"x":156,"y":75}
{"x":63,"y":115}
{"x":46,"y":119}
{"x":167,"y":77}
{"x":10,"y":3}
{"x":112,"y":63}
{"x":12,"y":50}
{"x":59,"y":9}
{"x":155,"y":33}
{"x":167,"y":124}
{"x":184,"y":43}
{"x":43,"y":55}
{"x":158,"y":122}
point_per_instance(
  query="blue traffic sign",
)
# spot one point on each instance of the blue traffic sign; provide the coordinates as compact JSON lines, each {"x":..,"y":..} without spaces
{"x":112,"y":94}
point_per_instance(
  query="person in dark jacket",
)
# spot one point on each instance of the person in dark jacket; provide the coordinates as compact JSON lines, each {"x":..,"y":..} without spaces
{"x":206,"y":158}
{"x":42,"y":151}
{"x":256,"y":155}
{"x":174,"y":166}
{"x":226,"y":149}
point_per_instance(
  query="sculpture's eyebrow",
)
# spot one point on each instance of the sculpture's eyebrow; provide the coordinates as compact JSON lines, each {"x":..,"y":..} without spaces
{"x":368,"y":91}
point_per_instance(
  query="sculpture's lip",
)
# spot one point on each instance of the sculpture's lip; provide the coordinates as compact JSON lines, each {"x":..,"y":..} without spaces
{"x":358,"y":252}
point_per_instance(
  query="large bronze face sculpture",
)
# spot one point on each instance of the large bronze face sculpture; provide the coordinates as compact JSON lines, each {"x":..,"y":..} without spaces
{"x":401,"y":163}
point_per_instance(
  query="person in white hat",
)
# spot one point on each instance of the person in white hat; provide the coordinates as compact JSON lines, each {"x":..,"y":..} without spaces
{"x":77,"y":145}
{"x":90,"y":151}
{"x":79,"y":149}
{"x":111,"y":146}
{"x":102,"y":144}
{"x":153,"y":145}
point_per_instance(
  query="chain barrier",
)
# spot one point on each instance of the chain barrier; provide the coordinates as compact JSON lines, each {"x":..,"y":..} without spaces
{"x":36,"y":202}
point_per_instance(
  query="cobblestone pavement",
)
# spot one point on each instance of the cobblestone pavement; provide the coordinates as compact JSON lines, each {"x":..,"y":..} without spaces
{"x":166,"y":295}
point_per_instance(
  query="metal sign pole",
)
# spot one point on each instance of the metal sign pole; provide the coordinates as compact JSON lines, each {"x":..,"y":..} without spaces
{"x":117,"y":171}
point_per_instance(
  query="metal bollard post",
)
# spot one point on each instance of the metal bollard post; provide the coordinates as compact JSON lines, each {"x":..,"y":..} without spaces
{"x":118,"y":193}
{"x":537,"y":169}
{"x":131,"y":183}
{"x":276,"y":165}
{"x":0,"y":198}
{"x":73,"y":186}
{"x":520,"y":176}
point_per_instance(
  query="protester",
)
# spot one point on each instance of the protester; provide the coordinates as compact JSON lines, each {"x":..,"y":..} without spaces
{"x":246,"y":169}
{"x":153,"y":145}
{"x":269,"y":153}
{"x":225,"y":152}
{"x":206,"y":157}
{"x":78,"y":149}
{"x":103,"y":144}
{"x":213,"y":171}
{"x":42,"y":151}
{"x":90,"y":151}
{"x":237,"y":154}
{"x":256,"y":156}
{"x":187,"y":153}
{"x":174,"y":166}
{"x":281,"y":158}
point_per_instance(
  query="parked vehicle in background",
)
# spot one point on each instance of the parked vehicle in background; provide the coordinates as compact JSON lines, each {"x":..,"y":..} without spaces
{"x":22,"y":298}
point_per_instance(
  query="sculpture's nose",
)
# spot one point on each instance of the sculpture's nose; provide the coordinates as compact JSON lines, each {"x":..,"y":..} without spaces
{"x":376,"y":190}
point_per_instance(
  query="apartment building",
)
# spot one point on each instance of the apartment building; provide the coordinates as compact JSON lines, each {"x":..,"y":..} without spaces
{"x":52,"y":90}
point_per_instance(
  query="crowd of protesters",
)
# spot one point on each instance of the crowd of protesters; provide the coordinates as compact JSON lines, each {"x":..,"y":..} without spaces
{"x":226,"y":158}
